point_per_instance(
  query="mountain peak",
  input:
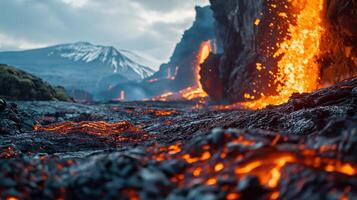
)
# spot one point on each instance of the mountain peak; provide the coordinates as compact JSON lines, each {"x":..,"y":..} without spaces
{"x":86,"y":52}
{"x":82,"y":43}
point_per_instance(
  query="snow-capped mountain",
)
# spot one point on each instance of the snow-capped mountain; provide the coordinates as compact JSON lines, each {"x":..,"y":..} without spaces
{"x":108,"y":56}
{"x":79,"y":65}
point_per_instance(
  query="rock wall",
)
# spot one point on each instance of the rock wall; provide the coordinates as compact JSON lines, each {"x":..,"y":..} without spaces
{"x":339,"y":43}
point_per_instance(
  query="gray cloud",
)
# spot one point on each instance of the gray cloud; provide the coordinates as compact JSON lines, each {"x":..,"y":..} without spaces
{"x":150,"y":26}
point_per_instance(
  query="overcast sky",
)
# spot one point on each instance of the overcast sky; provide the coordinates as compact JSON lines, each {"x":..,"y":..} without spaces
{"x":150,"y":26}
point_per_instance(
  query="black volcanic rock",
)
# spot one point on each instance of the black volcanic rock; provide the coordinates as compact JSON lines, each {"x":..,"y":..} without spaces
{"x":210,"y":77}
{"x":2,"y":104}
{"x":19,"y":85}
{"x":339,"y":46}
{"x":13,"y":121}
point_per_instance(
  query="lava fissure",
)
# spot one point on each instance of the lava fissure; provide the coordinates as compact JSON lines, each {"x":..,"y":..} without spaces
{"x":298,"y":70}
{"x":97,"y":128}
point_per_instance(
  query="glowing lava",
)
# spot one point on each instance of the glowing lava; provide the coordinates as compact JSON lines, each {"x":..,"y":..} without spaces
{"x":297,"y":70}
{"x":98,"y":128}
{"x":198,"y":92}
{"x":195,"y":91}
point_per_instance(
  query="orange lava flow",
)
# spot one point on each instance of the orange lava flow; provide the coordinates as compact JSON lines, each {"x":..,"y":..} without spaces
{"x":98,"y":128}
{"x":268,"y":169}
{"x":195,"y":91}
{"x":159,"y":112}
{"x":297,"y":70}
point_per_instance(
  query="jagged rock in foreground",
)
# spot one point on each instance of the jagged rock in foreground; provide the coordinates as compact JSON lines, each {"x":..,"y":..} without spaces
{"x":303,"y":149}
{"x":12,"y":120}
{"x":18,"y":85}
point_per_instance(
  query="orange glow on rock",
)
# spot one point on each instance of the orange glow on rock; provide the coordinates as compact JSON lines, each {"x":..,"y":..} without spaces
{"x":197,"y":171}
{"x":12,"y":198}
{"x":233,"y":196}
{"x":218,"y":167}
{"x":211,"y":181}
{"x":188,"y":158}
{"x":205,"y":156}
{"x":248,"y":168}
{"x":270,"y":164}
{"x":274,"y":195}
{"x":174,"y":149}
{"x":267,"y":170}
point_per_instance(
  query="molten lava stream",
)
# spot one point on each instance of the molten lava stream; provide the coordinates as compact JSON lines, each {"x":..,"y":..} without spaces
{"x":196,"y":91}
{"x":98,"y":128}
{"x":297,"y":70}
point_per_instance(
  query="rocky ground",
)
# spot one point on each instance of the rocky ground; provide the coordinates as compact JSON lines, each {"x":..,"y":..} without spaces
{"x":305,"y":149}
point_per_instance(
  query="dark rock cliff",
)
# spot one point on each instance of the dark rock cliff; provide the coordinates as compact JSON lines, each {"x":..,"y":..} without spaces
{"x":182,"y":62}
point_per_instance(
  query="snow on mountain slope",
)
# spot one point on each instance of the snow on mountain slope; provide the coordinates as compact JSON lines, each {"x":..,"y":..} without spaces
{"x":109,"y":56}
{"x":142,"y":58}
